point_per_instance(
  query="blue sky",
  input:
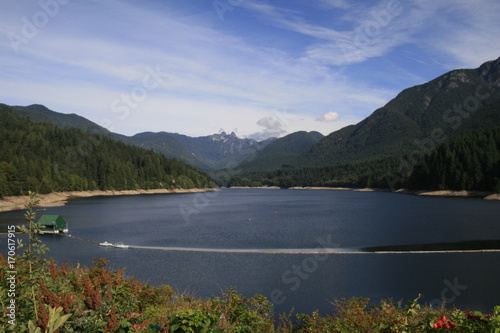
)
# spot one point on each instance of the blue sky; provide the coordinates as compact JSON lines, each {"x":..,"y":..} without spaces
{"x":258,"y":68}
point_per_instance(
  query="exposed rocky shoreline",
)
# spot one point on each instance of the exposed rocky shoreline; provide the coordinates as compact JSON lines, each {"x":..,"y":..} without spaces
{"x":61,"y":198}
{"x":56,"y":199}
{"x":441,"y":193}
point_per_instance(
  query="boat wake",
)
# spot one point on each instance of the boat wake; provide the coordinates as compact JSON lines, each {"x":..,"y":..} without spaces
{"x":118,"y":245}
{"x":318,"y":250}
{"x":276,"y":251}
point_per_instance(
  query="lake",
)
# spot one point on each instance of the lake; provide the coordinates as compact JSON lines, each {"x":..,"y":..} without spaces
{"x":300,"y":248}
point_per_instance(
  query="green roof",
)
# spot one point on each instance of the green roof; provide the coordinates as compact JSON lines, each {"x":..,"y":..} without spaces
{"x":48,"y":221}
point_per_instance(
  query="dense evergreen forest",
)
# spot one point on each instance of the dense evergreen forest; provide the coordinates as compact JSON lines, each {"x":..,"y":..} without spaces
{"x":469,"y":162}
{"x":364,"y":174}
{"x":45,"y":158}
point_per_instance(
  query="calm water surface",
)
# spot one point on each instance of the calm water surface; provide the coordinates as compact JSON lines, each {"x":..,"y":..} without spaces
{"x":289,"y":220}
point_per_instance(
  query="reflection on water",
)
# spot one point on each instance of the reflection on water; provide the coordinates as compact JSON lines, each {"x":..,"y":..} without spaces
{"x":479,"y":245}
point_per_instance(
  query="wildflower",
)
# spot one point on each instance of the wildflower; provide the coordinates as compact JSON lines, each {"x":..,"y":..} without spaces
{"x":484,"y":319}
{"x":139,"y":326}
{"x":444,"y":322}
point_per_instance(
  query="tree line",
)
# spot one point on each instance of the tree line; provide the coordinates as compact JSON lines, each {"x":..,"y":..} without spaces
{"x":45,"y":158}
{"x":468,"y":162}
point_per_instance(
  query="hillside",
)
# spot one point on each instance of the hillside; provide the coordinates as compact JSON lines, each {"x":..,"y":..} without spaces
{"x":40,"y":113}
{"x":448,"y":106}
{"x":383,"y":149}
{"x":415,"y":122}
{"x":469,"y":162}
{"x":207,"y":153}
{"x":165,"y":144}
{"x":46,"y":158}
{"x":281,"y":151}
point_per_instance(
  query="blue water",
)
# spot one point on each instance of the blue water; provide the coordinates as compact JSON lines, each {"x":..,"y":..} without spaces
{"x":303,"y":225}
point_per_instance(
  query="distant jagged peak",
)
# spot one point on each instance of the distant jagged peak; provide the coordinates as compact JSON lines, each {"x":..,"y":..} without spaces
{"x":223,"y":136}
{"x":219,"y":136}
{"x":224,"y":133}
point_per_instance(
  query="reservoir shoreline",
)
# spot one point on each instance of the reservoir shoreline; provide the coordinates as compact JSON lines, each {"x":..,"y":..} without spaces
{"x":439,"y":193}
{"x":56,"y":199}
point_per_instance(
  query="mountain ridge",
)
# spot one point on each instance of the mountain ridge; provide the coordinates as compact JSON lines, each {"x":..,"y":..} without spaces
{"x":207,"y":153}
{"x":447,"y":103}
{"x":387,"y":147}
{"x":416,"y":119}
{"x":42,"y":157}
{"x":281,"y":151}
{"x":40,"y":113}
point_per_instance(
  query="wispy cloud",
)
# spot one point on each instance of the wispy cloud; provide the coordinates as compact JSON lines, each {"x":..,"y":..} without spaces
{"x":374,"y":31}
{"x":461,"y":29}
{"x":336,"y":4}
{"x":292,"y":21}
{"x":218,"y":69}
{"x":463,"y":33}
{"x":214,"y":75}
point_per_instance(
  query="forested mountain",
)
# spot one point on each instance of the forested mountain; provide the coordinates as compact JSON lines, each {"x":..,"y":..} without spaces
{"x":281,"y":151}
{"x":450,"y":105}
{"x":362,"y":174}
{"x":380,"y":151}
{"x":165,"y":144}
{"x":40,"y":113}
{"x":44,"y":158}
{"x":469,"y":162}
{"x":383,"y":149}
{"x":208,"y":153}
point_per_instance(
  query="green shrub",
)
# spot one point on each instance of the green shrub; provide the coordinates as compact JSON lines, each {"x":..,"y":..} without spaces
{"x":192,"y":320}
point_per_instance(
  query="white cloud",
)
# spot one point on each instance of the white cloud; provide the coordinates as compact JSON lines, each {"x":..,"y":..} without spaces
{"x":212,"y":76}
{"x":272,"y":128}
{"x":281,"y":123}
{"x":218,"y":72}
{"x":329,"y":117}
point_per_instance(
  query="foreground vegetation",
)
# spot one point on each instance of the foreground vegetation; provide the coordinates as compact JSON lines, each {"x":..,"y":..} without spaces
{"x":62,"y":298}
{"x":94,"y":299}
{"x":99,"y":300}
